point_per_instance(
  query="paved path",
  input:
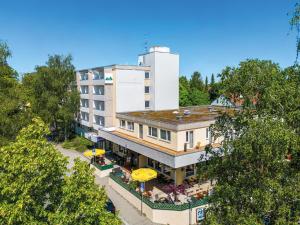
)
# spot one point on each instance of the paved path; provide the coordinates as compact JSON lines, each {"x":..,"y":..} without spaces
{"x":128,"y":214}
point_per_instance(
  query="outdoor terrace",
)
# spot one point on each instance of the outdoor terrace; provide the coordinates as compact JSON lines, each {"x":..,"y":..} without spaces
{"x":162,"y":190}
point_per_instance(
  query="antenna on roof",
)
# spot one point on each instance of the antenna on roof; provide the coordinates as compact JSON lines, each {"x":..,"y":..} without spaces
{"x":146,"y":43}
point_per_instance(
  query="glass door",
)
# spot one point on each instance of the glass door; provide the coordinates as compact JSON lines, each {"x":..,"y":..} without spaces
{"x":141,"y":131}
{"x":190,"y":139}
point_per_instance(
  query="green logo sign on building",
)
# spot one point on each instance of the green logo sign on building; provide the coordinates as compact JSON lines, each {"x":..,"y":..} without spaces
{"x":108,"y":78}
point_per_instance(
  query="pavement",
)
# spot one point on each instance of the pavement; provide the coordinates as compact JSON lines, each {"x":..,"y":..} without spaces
{"x":127,"y":213}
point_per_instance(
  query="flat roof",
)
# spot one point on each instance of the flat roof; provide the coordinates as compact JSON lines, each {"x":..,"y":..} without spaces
{"x":117,"y":66}
{"x":182,"y":115}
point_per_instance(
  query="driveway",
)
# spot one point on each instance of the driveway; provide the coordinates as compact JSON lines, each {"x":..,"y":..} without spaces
{"x":127,"y":213}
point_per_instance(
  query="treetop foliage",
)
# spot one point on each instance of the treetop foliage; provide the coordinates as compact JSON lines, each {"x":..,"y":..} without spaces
{"x":37,"y":188}
{"x":257,"y":169}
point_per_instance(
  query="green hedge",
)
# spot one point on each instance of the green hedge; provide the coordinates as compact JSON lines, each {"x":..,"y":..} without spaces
{"x":162,"y":206}
{"x":104,"y":167}
{"x":78,"y":143}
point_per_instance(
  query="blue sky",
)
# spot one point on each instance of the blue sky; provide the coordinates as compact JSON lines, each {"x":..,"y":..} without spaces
{"x":208,"y":35}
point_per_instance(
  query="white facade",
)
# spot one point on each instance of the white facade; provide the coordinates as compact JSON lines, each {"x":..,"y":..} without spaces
{"x":164,"y":77}
{"x":130,"y":90}
{"x":151,"y":85}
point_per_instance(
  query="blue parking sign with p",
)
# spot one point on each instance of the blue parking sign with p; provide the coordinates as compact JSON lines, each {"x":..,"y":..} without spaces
{"x":200,"y":214}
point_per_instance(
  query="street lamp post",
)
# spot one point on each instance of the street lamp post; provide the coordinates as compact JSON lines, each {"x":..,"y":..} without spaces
{"x":142,"y":187}
{"x":190,"y":216}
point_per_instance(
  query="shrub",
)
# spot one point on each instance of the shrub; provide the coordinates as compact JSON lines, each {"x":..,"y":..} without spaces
{"x":78,"y":143}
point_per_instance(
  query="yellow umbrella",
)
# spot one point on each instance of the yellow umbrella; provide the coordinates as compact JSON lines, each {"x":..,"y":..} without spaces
{"x":89,"y":153}
{"x":143,"y":174}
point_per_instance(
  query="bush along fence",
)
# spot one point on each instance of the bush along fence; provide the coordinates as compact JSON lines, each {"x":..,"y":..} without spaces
{"x":161,"y":206}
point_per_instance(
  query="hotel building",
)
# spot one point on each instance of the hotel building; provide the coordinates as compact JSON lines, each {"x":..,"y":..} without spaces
{"x":133,"y":112}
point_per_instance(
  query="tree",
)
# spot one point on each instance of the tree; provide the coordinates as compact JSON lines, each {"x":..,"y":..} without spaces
{"x":295,"y":24}
{"x":54,"y":96}
{"x":184,"y":98}
{"x":254,"y":178}
{"x":14,"y":110}
{"x":35,"y":187}
{"x":206,"y":83}
{"x":196,"y":81}
{"x":215,"y":91}
{"x":212,"y":79}
{"x":199,"y":97}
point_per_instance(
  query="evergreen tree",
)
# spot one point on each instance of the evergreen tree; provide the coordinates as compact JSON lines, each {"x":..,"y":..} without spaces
{"x":196,"y":81}
{"x":206,"y":83}
{"x":212,"y":79}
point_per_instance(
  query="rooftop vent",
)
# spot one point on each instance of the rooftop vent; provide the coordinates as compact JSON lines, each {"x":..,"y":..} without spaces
{"x":186,"y":112}
{"x":179,"y":117}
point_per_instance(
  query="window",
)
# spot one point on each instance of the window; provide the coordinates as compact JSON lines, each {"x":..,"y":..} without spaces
{"x":165,"y":135}
{"x":147,"y":75}
{"x":84,"y":76}
{"x":84,"y":89}
{"x":147,"y":89}
{"x":147,"y":104}
{"x":99,"y":120}
{"x":85,"y":116}
{"x":122,"y":124}
{"x":130,"y":126}
{"x":84,"y":103}
{"x":99,"y":90}
{"x":207,"y":133}
{"x":98,"y":75}
{"x":99,"y":105}
{"x":151,"y":162}
{"x":190,"y":170}
{"x":152,"y":131}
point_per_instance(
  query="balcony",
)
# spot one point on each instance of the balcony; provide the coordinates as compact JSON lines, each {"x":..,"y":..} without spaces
{"x":84,"y":82}
{"x":84,"y":109}
{"x":98,"y":82}
{"x":85,"y":123}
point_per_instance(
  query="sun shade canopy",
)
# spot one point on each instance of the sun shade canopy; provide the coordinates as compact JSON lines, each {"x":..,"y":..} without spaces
{"x":90,"y":153}
{"x":143,"y":174}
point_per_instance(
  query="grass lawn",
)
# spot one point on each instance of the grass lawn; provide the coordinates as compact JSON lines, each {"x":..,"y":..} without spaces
{"x":78,"y":143}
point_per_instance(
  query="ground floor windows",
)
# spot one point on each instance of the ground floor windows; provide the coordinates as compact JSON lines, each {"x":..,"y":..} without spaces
{"x":190,"y":170}
{"x":160,"y":167}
